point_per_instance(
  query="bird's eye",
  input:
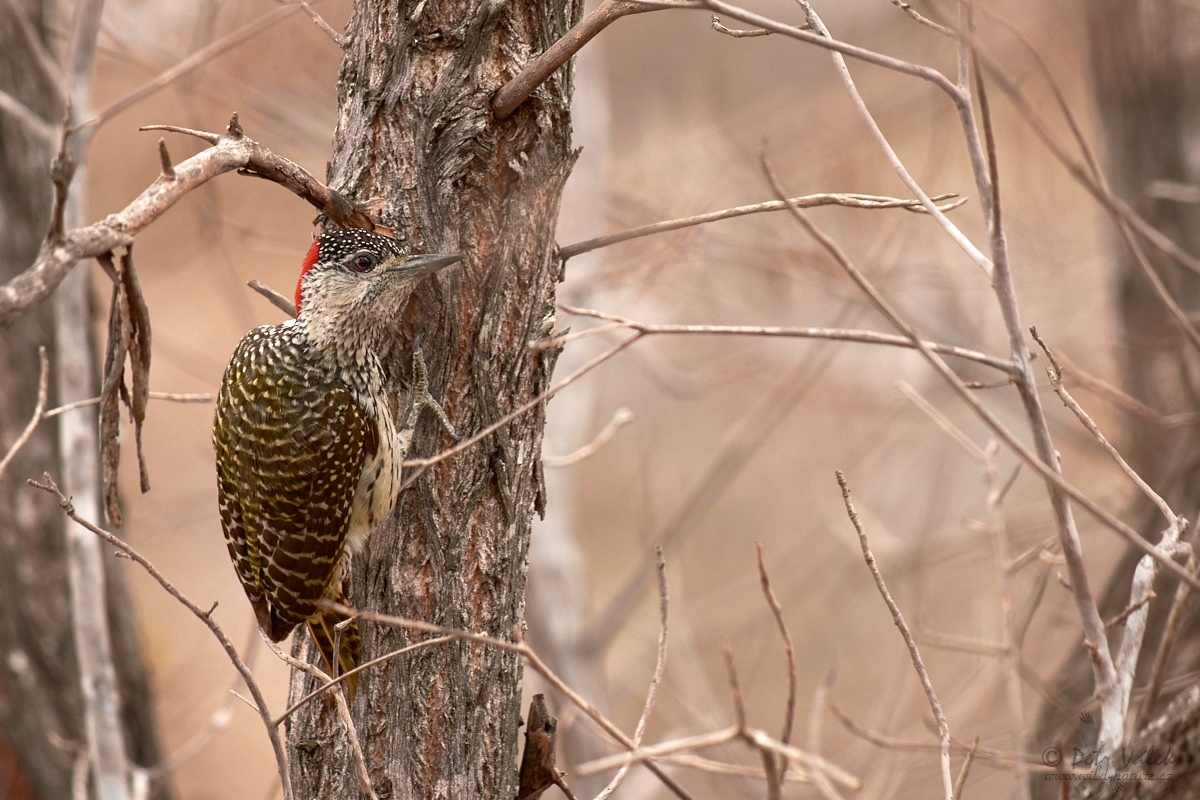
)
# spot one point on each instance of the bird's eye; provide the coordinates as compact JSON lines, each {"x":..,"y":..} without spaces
{"x":364,"y":262}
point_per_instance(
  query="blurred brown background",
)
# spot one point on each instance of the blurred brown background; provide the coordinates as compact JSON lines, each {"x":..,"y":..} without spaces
{"x":672,"y":116}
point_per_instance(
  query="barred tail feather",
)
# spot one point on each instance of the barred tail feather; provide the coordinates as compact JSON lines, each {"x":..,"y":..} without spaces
{"x":326,"y":636}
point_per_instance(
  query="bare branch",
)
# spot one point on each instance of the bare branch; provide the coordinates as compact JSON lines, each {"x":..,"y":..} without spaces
{"x":914,"y":653}
{"x":59,"y":254}
{"x":424,"y":463}
{"x":890,"y":743}
{"x":282,"y":302}
{"x":195,"y":60}
{"x":1087,"y":173}
{"x":941,"y":420}
{"x":330,"y":683}
{"x":91,"y":401}
{"x":320,"y":22}
{"x":660,"y":666}
{"x":259,"y":704}
{"x":517,"y":91}
{"x":343,"y":709}
{"x":32,"y":122}
{"x":737,"y":34}
{"x":1124,"y":401}
{"x":789,"y":711}
{"x":38,"y":411}
{"x":535,"y":663}
{"x":1055,"y":374}
{"x":837,"y":334}
{"x":916,"y":17}
{"x":838,"y":49}
{"x":1045,"y":461}
{"x":622,"y":417}
{"x":966,"y":767}
{"x":868,"y":201}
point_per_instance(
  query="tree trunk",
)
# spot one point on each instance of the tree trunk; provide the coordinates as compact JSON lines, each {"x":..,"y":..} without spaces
{"x":1144,"y":80}
{"x":39,"y":680}
{"x":416,"y":135}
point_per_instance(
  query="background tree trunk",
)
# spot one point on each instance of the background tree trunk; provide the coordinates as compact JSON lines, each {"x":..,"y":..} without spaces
{"x":39,"y":682}
{"x":1144,"y":76}
{"x":416,"y":132}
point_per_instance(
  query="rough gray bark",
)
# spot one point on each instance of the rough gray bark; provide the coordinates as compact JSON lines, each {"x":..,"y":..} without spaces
{"x":416,"y":132}
{"x":39,"y":685}
{"x":1144,"y":74}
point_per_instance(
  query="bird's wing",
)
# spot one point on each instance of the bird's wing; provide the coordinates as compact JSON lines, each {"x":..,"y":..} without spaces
{"x":290,"y":447}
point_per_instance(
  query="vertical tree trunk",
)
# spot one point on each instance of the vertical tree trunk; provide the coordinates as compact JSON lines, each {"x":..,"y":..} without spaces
{"x":417,"y":135}
{"x":39,"y":681}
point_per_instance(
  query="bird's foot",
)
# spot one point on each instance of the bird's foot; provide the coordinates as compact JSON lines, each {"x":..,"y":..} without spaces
{"x":422,"y":399}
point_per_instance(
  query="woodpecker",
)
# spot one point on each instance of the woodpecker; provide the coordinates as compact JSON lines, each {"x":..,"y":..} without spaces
{"x":308,"y":454}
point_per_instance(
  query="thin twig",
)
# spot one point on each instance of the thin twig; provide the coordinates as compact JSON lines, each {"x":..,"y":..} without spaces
{"x":1089,"y":174}
{"x":1045,"y":461}
{"x":822,"y":38}
{"x":1055,"y":374}
{"x":260,"y":704}
{"x":320,"y":690}
{"x":916,"y":17}
{"x":737,"y":34}
{"x":660,"y":665}
{"x":789,"y":650}
{"x":536,"y":664}
{"x":1034,"y":762}
{"x":820,"y":698}
{"x":735,"y":450}
{"x":533,"y":74}
{"x":869,"y":201}
{"x":1009,"y":641}
{"x":194,"y":61}
{"x":913,"y":652}
{"x":422,"y":464}
{"x":966,"y":767}
{"x":184,"y":397}
{"x":941,"y":420}
{"x":218,"y":721}
{"x":285,"y":304}
{"x":337,"y":38}
{"x":622,"y":417}
{"x":835,"y":334}
{"x":38,"y":411}
{"x":1123,"y":400}
{"x":343,"y":709}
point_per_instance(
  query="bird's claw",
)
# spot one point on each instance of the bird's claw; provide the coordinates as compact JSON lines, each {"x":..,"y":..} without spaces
{"x":421,"y":398}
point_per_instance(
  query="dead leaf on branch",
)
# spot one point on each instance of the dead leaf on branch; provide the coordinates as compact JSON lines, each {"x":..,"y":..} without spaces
{"x":128,"y":341}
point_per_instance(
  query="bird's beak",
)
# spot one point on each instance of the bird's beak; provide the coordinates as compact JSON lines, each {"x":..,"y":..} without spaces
{"x":420,"y":265}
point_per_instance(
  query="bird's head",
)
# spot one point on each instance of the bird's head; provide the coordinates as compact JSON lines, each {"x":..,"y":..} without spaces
{"x":353,"y":276}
